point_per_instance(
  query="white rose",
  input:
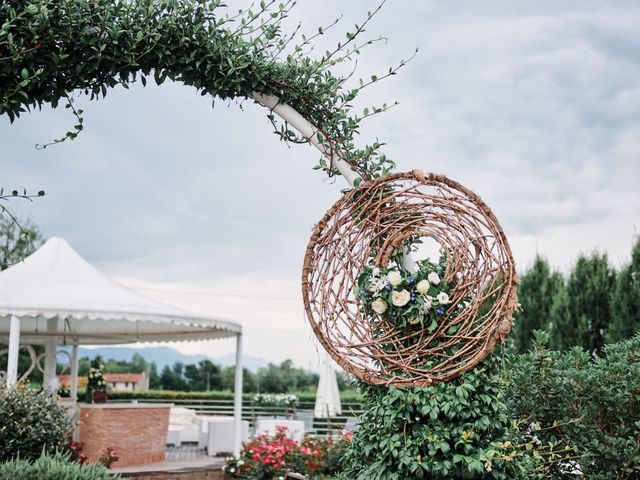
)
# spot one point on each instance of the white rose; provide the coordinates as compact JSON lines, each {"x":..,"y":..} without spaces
{"x":433,"y":278}
{"x":443,"y":298}
{"x":423,"y":286}
{"x":394,"y":278}
{"x":379,"y":306}
{"x":401,"y":298}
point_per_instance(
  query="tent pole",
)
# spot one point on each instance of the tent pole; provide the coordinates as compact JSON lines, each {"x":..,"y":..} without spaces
{"x":49,"y":382}
{"x":237,"y":400}
{"x":74,"y":370}
{"x":14,"y":346}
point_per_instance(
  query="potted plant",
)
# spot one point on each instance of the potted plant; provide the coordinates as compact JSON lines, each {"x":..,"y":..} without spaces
{"x":96,"y":384}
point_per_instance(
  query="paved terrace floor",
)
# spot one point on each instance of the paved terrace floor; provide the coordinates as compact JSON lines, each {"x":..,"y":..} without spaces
{"x":178,"y":459}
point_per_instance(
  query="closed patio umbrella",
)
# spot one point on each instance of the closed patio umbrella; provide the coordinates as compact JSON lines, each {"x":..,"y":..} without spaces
{"x":328,"y":396}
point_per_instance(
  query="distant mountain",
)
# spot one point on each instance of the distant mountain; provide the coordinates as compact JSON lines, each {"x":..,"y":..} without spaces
{"x":168,"y":356}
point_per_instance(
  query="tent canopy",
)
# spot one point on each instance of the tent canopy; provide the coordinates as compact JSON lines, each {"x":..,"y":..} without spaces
{"x":91,"y":308}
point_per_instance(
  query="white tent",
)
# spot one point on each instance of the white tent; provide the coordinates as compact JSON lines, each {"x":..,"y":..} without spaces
{"x":56,"y":297}
{"x":328,"y":396}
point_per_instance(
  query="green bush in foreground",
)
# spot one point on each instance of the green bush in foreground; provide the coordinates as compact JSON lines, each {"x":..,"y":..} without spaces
{"x":31,"y":423}
{"x":589,"y":407}
{"x":55,"y":467}
{"x":460,"y":429}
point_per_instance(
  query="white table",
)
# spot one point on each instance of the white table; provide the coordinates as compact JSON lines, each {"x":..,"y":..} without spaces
{"x":295,"y":428}
{"x":218,"y":432}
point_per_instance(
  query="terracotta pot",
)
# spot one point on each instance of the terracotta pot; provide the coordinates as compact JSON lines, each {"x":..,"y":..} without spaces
{"x":99,"y":397}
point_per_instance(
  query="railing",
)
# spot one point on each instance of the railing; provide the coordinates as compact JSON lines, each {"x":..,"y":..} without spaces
{"x":250,"y":412}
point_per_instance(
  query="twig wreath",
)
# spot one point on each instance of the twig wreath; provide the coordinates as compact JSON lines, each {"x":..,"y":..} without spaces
{"x":392,"y":323}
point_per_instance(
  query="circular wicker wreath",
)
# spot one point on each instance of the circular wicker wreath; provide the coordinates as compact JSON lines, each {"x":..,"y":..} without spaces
{"x":370,"y":225}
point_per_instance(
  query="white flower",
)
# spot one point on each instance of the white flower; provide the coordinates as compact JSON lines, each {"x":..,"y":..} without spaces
{"x":433,"y":278}
{"x":443,"y":298}
{"x":375,"y":272}
{"x":232,"y":470}
{"x":377,"y":284}
{"x":428,"y":301}
{"x":394,"y":278}
{"x":240,"y":463}
{"x":401,"y":298}
{"x":379,"y":306}
{"x":423,"y":286}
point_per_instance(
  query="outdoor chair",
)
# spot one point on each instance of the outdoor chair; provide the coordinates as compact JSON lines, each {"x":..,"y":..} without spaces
{"x":184,"y":422}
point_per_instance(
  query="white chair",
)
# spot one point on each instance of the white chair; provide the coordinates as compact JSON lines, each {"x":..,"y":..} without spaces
{"x":220,"y":434}
{"x":184,"y":421}
{"x":295,"y":428}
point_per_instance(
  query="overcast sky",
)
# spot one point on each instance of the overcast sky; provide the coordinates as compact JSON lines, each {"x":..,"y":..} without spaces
{"x":533,"y":105}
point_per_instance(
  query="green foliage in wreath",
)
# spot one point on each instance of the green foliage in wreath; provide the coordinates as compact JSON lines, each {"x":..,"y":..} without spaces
{"x":53,"y":49}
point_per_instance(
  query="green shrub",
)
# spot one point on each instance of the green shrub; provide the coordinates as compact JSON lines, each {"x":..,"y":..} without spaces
{"x":55,"y":467}
{"x":31,"y":423}
{"x":589,"y":406}
{"x":460,"y":429}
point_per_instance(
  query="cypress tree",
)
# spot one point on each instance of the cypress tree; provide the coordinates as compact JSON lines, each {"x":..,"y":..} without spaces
{"x":536,"y":292}
{"x":625,"y":301}
{"x":581,"y":313}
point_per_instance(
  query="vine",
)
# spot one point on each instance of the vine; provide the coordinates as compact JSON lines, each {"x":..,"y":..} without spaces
{"x":51,"y":50}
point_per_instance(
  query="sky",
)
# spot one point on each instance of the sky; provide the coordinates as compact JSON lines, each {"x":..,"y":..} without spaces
{"x":533,"y":105}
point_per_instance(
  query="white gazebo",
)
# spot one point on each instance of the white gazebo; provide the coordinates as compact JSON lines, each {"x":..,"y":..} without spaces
{"x":56,"y":297}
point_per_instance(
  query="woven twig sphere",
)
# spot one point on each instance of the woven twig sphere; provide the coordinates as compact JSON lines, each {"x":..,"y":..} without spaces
{"x":370,"y":222}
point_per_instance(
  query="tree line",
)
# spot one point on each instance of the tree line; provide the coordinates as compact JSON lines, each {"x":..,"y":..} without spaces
{"x":206,"y":375}
{"x":592,"y":306}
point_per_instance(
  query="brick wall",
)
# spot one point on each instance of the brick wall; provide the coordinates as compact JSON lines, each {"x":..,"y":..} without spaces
{"x":138,"y":435}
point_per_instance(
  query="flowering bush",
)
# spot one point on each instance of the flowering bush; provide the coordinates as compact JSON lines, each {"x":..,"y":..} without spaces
{"x":406,"y":298}
{"x":275,"y":400}
{"x":107,"y":459}
{"x":31,"y":423}
{"x":74,"y":449}
{"x":268,"y":458}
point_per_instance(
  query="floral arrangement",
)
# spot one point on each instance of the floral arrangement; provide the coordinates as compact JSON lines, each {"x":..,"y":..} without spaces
{"x":96,"y":381}
{"x":275,"y":400}
{"x":268,"y":458}
{"x":404,"y":298}
{"x":96,"y":384}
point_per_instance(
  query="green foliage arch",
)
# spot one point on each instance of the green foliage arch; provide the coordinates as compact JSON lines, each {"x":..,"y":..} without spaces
{"x":51,"y":50}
